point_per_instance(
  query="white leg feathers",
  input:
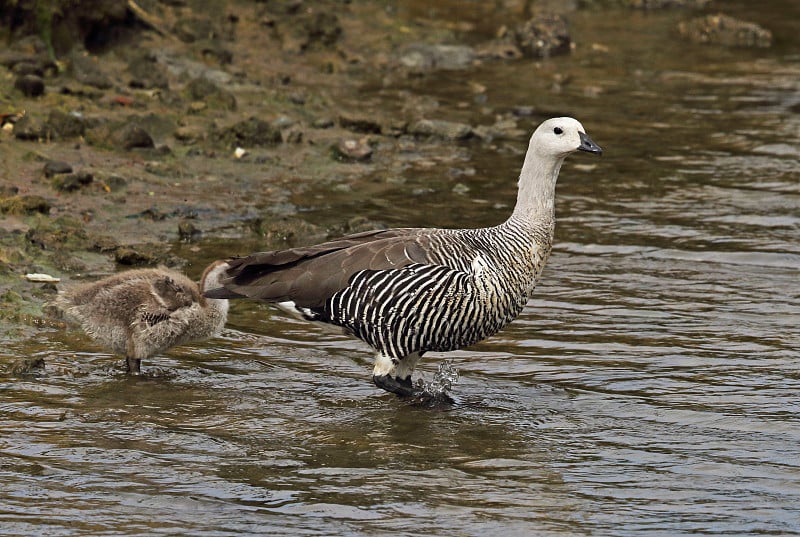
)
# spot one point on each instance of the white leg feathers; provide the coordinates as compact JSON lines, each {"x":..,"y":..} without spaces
{"x":399,"y":369}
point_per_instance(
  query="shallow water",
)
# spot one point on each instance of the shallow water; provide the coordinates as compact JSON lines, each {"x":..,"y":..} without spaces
{"x":651,"y":387}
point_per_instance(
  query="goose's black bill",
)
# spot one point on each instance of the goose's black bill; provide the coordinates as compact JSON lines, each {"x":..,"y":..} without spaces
{"x":588,"y":145}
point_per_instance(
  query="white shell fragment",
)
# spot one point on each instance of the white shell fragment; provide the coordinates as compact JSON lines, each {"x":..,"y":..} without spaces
{"x":41,"y":278}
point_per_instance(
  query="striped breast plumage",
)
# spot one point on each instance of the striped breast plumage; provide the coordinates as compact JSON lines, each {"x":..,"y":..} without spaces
{"x":471,"y":289}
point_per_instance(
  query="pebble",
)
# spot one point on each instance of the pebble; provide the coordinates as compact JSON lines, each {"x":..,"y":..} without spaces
{"x":353,"y":150}
{"x":54,"y":167}
{"x":65,"y":125}
{"x":187,"y":230}
{"x":203,"y":89}
{"x":189,"y":134}
{"x":29,"y":366}
{"x":543,"y":36}
{"x":29,"y":127}
{"x":323,"y":123}
{"x":727,"y":31}
{"x":146,"y":73}
{"x":134,"y":136}
{"x":86,"y":70}
{"x":38,"y":277}
{"x":30,"y":85}
{"x":449,"y":130}
{"x":72,"y":181}
{"x":424,"y":57}
{"x":251,"y":132}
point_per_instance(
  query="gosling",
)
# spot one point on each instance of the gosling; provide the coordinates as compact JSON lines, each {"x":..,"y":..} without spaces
{"x":141,"y":313}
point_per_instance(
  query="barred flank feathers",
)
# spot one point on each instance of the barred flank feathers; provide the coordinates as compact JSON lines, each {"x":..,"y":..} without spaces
{"x":448,"y":305}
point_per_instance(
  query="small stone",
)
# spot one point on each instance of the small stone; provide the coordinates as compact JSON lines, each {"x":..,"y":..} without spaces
{"x":394,"y":127}
{"x":543,"y":36}
{"x":72,"y":181}
{"x":189,"y":135}
{"x":448,"y":130}
{"x":723,"y":30}
{"x":283,"y":122}
{"x":523,"y":111}
{"x":292,"y":135}
{"x":39,"y":277}
{"x":25,"y":367}
{"x":146,"y":72}
{"x":323,"y":123}
{"x":203,"y":89}
{"x":65,"y":125}
{"x":353,"y":150}
{"x":251,"y":132}
{"x":460,"y":188}
{"x":29,"y":128}
{"x":86,"y":70}
{"x":132,"y":256}
{"x":424,"y":57}
{"x":196,"y":107}
{"x":297,"y":97}
{"x":54,"y":167}
{"x":115,"y":182}
{"x":239,"y":152}
{"x":187,"y":230}
{"x":30,"y":85}
{"x":133,"y":136}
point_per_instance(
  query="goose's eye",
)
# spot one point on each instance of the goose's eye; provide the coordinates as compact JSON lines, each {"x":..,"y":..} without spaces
{"x":558,"y":130}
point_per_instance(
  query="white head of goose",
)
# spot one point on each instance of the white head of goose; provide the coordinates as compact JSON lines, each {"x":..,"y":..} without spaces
{"x":141,"y":313}
{"x":408,"y":291}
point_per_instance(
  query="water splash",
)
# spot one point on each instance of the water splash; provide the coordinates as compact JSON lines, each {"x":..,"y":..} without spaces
{"x":438,"y":389}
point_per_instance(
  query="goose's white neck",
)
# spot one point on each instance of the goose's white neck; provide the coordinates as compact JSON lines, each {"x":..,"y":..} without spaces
{"x":537,"y":186}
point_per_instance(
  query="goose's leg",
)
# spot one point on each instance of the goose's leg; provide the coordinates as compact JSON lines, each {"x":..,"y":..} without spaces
{"x":394,"y":375}
{"x":134,"y":365}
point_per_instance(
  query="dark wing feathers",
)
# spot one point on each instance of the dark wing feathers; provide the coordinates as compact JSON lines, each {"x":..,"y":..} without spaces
{"x":310,"y":275}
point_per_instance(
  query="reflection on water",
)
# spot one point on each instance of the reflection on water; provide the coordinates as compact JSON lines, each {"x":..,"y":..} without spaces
{"x":649,"y":388}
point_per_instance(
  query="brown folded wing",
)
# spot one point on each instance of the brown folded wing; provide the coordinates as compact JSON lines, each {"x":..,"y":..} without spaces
{"x":310,"y":275}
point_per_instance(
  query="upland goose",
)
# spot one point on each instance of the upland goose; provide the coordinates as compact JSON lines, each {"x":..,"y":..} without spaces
{"x":408,"y":291}
{"x":141,"y":313}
